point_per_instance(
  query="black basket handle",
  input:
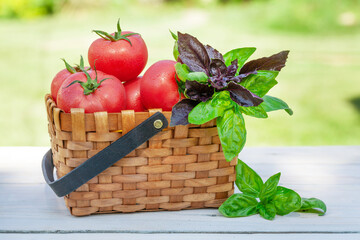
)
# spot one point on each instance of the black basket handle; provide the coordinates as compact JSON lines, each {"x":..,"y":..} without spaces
{"x":103,"y":159}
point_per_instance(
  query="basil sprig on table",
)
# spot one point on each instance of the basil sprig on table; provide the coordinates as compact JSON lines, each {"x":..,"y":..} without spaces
{"x":224,"y":87}
{"x":267,"y":199}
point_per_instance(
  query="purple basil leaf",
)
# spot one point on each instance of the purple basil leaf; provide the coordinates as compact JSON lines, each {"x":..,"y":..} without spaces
{"x":197,"y":91}
{"x":274,"y":63}
{"x":181,"y":110}
{"x":213,"y":53}
{"x":230,"y":78}
{"x":232,"y":68}
{"x":218,"y":82}
{"x":217,"y":67}
{"x":193,"y":53}
{"x":240,"y":77}
{"x":236,"y":79}
{"x":244,"y":75}
{"x":242,"y":96}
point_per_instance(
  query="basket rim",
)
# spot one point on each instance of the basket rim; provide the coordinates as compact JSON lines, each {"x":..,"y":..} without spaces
{"x":65,"y":118}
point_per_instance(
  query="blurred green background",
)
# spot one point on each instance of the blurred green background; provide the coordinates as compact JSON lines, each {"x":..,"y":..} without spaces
{"x":321,"y":81}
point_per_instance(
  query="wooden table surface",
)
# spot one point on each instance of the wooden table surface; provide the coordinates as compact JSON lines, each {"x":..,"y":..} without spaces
{"x":30,"y":210}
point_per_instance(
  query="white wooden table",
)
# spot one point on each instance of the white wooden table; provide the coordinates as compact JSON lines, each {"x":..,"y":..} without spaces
{"x":30,"y":210}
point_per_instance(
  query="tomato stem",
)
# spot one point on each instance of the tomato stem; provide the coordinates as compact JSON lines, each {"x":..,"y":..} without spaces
{"x":69,"y":67}
{"x":117,"y":35}
{"x":91,"y":84}
{"x":76,"y":68}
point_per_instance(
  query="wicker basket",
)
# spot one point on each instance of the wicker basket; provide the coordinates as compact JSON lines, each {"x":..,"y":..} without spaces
{"x":182,"y":167}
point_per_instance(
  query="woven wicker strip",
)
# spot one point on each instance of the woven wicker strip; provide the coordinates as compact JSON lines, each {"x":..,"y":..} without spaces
{"x":182,"y":167}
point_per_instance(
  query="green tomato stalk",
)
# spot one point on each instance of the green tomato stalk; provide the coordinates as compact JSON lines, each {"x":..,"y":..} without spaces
{"x":91,"y":84}
{"x":77,"y":68}
{"x":117,"y":35}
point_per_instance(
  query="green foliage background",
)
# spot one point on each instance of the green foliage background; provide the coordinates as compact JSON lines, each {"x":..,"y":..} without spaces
{"x":320,"y":82}
{"x":28,"y":8}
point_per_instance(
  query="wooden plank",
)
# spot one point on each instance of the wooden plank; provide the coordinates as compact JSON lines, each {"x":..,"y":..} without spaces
{"x":21,"y":164}
{"x":205,"y":236}
{"x":33,"y":207}
{"x":329,"y":173}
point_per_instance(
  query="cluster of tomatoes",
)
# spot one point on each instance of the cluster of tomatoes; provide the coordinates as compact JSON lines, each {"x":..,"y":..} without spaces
{"x":112,"y":82}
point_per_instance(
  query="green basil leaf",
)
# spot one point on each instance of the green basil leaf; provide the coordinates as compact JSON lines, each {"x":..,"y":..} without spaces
{"x":269,"y":188}
{"x":175,"y":48}
{"x":173,"y":35}
{"x":176,"y":51}
{"x":232,"y":132}
{"x":198,"y":76}
{"x":308,"y":204}
{"x":286,"y":201}
{"x":267,"y":210}
{"x":213,"y":108}
{"x":258,"y":111}
{"x":222,"y":101}
{"x":202,"y":113}
{"x":261,"y":82}
{"x":239,"y":205}
{"x":272,"y":104}
{"x":181,"y":86}
{"x":241,"y":54}
{"x":247,"y":180}
{"x":183,"y":73}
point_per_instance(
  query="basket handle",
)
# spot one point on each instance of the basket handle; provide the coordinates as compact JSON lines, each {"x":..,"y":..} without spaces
{"x":103,"y":159}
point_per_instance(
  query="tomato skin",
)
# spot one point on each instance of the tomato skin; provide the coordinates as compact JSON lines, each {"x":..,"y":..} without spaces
{"x":133,"y":99}
{"x":158,"y":87}
{"x":119,"y":58}
{"x":109,"y":96}
{"x":59,"y":78}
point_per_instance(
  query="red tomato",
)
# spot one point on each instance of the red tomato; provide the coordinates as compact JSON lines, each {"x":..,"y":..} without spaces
{"x":108,"y":96}
{"x":158,"y":87}
{"x":133,"y":99}
{"x":122,"y":55}
{"x":59,"y":78}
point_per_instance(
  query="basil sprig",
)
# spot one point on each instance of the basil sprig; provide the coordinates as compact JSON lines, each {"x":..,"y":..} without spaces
{"x":267,"y":199}
{"x":224,"y":87}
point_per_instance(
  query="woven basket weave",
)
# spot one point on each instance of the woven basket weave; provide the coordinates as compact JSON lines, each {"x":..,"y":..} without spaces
{"x":182,"y":167}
